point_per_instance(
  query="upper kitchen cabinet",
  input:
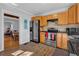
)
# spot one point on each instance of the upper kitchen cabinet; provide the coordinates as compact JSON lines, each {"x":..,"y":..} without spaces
{"x":43,"y":21}
{"x":63,"y":18}
{"x":33,"y":18}
{"x":52,"y":16}
{"x":72,"y":14}
{"x":55,"y":15}
{"x":49,"y":17}
{"x":36,"y":17}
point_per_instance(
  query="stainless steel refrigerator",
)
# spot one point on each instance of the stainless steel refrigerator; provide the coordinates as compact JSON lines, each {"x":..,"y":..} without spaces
{"x":36,"y":31}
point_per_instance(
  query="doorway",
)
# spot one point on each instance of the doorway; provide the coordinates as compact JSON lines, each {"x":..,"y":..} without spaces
{"x":11,"y":31}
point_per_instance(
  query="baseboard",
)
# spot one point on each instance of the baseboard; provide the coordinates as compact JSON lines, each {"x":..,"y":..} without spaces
{"x":25,"y":43}
{"x":1,"y":50}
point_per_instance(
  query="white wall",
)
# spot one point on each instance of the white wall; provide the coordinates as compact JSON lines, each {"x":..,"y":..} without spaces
{"x":24,"y":34}
{"x":1,"y":30}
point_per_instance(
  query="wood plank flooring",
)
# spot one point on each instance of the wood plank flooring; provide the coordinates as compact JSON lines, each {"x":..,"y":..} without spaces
{"x":10,"y":43}
{"x":37,"y":48}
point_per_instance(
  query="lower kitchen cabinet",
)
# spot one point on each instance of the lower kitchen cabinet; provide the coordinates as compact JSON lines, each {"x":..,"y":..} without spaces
{"x":62,"y":39}
{"x":59,"y":36}
{"x":42,"y":37}
{"x":78,"y":13}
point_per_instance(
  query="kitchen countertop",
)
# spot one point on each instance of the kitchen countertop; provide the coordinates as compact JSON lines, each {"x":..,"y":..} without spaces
{"x":43,"y":31}
{"x":73,"y":37}
{"x":61,"y":32}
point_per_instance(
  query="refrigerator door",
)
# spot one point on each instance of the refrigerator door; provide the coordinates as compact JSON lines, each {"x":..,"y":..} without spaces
{"x":36,"y":31}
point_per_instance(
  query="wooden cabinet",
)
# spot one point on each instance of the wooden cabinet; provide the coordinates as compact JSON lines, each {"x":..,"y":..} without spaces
{"x":43,"y":21}
{"x":72,"y":14}
{"x":42,"y":37}
{"x":49,"y":17}
{"x":63,"y":18}
{"x":55,"y":16}
{"x":59,"y":40}
{"x":33,"y":18}
{"x":78,"y":13}
{"x":36,"y":17}
{"x":52,"y":16}
{"x":62,"y":39}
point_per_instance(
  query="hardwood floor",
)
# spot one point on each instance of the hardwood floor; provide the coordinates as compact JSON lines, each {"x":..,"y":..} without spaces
{"x":10,"y":43}
{"x":38,"y":49}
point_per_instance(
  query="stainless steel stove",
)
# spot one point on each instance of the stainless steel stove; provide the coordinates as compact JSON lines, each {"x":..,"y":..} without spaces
{"x":73,"y":44}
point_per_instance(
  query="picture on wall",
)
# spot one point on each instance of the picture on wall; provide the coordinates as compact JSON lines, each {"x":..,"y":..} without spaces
{"x":25,"y":24}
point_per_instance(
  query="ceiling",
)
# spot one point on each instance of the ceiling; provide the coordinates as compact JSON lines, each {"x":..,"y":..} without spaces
{"x":41,"y":8}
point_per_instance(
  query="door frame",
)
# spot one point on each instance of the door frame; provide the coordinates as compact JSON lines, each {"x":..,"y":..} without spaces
{"x":17,"y":17}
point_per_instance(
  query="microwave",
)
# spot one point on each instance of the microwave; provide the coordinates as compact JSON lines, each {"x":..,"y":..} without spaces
{"x":71,"y":31}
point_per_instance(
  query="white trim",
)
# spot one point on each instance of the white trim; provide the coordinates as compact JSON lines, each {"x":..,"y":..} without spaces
{"x":2,"y":29}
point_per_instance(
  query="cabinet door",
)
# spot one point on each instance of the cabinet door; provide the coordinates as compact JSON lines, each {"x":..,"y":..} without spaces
{"x":63,"y":18}
{"x":33,"y":18}
{"x":42,"y":37}
{"x":43,"y":21}
{"x":64,"y":41}
{"x":72,"y":13}
{"x":49,"y":17}
{"x":55,"y":16}
{"x":59,"y":40}
{"x":52,"y":16}
{"x":36,"y":17}
{"x":78,"y":13}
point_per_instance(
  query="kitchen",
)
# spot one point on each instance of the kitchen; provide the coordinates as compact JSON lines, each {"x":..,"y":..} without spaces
{"x":59,"y":30}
